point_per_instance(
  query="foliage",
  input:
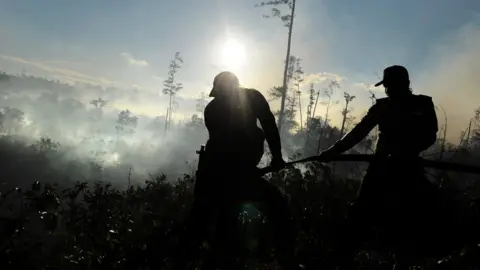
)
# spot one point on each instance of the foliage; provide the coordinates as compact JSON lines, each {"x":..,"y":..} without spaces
{"x":12,"y":119}
{"x":92,"y":226}
{"x":45,"y":145}
{"x":345,"y":112}
{"x":285,"y":18}
{"x":201,"y":102}
{"x":95,"y":226}
{"x":126,"y":122}
{"x":275,"y":93}
{"x":171,"y":87}
{"x":311,"y":101}
{"x":196,"y":122}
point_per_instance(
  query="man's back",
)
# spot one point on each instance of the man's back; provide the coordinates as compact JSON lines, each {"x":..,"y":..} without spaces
{"x":405,"y":123}
{"x":232,"y":125}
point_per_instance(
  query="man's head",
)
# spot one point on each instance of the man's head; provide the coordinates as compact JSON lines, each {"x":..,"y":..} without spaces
{"x":224,"y":83}
{"x":396,"y":81}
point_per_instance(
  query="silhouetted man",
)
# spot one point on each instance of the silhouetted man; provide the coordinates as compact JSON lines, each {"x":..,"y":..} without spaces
{"x":228,"y":174}
{"x":408,"y":125}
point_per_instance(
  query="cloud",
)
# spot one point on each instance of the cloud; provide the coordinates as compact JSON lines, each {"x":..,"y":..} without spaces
{"x":132,"y":61}
{"x":157,"y":78}
{"x":68,"y":75}
{"x":138,"y":87}
{"x":321,"y":77}
{"x":368,"y":87}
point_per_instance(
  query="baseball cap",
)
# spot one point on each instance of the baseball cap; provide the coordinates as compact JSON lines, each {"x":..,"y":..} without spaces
{"x":394,"y":74}
{"x":225,"y":78}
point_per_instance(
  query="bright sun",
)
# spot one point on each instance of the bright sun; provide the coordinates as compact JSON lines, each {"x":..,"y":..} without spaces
{"x":233,"y":54}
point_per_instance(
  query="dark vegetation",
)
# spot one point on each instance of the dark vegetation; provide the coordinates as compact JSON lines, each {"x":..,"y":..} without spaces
{"x":56,"y":213}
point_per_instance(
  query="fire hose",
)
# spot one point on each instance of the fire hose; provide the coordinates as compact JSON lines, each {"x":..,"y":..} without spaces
{"x":426,"y":163}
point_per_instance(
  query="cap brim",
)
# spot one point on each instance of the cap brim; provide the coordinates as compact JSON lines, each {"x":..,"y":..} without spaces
{"x":379,"y":83}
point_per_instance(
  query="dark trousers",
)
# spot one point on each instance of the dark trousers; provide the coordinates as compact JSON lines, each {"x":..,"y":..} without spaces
{"x":217,"y":198}
{"x":394,"y":197}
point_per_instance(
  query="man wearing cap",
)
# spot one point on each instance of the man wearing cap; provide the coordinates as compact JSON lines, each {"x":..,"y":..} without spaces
{"x":408,"y":126}
{"x":229,"y":173}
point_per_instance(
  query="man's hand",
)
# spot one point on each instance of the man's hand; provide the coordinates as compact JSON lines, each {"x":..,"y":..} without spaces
{"x":277,"y":163}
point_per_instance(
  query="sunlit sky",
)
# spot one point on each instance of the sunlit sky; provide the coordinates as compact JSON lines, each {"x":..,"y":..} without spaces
{"x":130,"y":43}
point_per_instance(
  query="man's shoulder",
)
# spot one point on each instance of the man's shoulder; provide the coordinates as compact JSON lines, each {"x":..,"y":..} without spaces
{"x":252,"y":92}
{"x":423,"y":98}
{"x":380,"y":103}
{"x":420,"y":98}
{"x":423,"y":101}
{"x":210,"y":105}
{"x":254,"y":95}
{"x":382,"y":100}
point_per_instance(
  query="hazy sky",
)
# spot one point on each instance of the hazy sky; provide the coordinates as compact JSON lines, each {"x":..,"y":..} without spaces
{"x":130,"y":44}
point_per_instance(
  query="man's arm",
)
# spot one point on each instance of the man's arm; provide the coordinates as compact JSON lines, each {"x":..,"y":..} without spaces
{"x":357,"y":134}
{"x":431,"y":126}
{"x":267,"y":120}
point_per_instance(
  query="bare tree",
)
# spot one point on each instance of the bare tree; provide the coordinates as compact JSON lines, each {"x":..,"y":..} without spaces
{"x":444,"y":128}
{"x":298,"y":77}
{"x":328,"y":92}
{"x":287,"y":22}
{"x":290,"y":112}
{"x":98,"y":103}
{"x":309,"y":123}
{"x":348,"y":98}
{"x":311,"y":101}
{"x":373,"y":98}
{"x":277,"y":92}
{"x":466,"y":136}
{"x":171,"y":87}
{"x":201,"y":102}
{"x":294,"y":79}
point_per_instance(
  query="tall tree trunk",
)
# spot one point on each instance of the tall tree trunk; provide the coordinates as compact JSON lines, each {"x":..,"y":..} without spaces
{"x":285,"y":71}
{"x":300,"y":108}
{"x":315,"y":106}
{"x":467,"y":141}
{"x":444,"y":140}
{"x":325,"y":125}
{"x":166,"y":121}
{"x":170,"y":112}
{"x":342,"y":129}
{"x":442,"y":150}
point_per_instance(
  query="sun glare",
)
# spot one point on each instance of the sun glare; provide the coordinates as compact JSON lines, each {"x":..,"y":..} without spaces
{"x":233,"y":54}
